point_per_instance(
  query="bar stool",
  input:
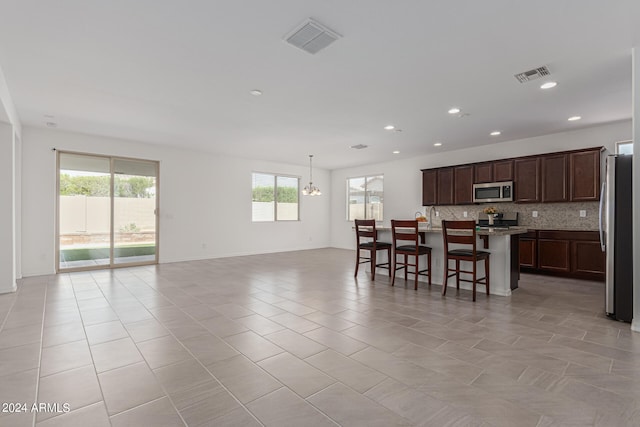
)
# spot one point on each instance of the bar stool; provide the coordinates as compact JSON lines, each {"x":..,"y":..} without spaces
{"x":407,"y":231}
{"x":367,"y":240}
{"x":463,"y":233}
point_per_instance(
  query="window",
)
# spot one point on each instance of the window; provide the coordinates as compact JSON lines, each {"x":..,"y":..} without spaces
{"x":274,"y":198}
{"x":365,"y":197}
{"x":624,"y":147}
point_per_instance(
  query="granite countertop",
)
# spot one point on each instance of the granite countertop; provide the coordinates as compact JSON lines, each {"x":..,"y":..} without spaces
{"x":563,"y":229}
{"x":490,"y":231}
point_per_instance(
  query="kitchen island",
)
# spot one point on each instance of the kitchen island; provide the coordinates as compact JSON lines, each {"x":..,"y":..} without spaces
{"x":502,"y":243}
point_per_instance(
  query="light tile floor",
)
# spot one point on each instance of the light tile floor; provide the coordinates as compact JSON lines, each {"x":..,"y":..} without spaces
{"x":293,"y":339}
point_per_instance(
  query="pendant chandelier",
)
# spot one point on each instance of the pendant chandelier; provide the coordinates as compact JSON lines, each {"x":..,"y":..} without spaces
{"x":311,"y":190}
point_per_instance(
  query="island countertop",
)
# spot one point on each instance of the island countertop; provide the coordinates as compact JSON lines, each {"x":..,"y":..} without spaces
{"x":483,"y":231}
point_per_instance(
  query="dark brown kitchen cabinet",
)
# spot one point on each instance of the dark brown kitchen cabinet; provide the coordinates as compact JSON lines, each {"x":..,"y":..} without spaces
{"x":528,"y":249}
{"x":483,"y":172}
{"x":568,"y":176}
{"x":444,"y":183}
{"x":503,"y":170}
{"x":587,"y":258}
{"x":526,"y":179}
{"x":429,"y":187}
{"x":554,"y":255}
{"x":554,"y":178}
{"x":463,"y":184}
{"x":574,"y":254}
{"x":584,"y":176}
{"x":498,"y":171}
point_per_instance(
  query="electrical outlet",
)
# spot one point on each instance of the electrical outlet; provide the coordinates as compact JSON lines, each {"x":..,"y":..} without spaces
{"x":583,"y":213}
{"x":464,"y":214}
{"x":534,"y":214}
{"x":437,"y":213}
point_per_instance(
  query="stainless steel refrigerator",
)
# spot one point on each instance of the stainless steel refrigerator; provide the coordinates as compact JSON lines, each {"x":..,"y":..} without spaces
{"x":616,"y":236}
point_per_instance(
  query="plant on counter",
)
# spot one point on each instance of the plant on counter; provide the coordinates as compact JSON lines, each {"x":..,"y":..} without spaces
{"x":490,"y":210}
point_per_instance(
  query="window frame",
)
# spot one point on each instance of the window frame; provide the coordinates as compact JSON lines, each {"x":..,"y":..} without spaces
{"x":621,"y":143}
{"x":275,"y":196}
{"x":366,"y":195}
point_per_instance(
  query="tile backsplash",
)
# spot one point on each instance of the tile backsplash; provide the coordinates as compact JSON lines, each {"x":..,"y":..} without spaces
{"x":551,"y":216}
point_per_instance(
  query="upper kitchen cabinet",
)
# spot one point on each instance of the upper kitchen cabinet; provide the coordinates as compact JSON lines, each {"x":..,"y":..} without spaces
{"x":526,"y":179}
{"x":584,"y":176}
{"x":554,"y":178}
{"x":445,"y":193}
{"x":567,"y":176}
{"x":429,"y":187}
{"x":483,"y":172}
{"x":498,"y":171}
{"x":437,"y":187}
{"x":503,"y":170}
{"x":463,"y":184}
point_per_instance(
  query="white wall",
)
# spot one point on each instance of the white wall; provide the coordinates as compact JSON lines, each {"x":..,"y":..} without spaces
{"x":17,"y":226}
{"x":7,"y":243}
{"x":10,"y":184}
{"x":205,"y":201}
{"x":403,"y":178}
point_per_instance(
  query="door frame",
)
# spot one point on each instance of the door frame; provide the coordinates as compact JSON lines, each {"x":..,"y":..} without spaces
{"x":111,"y":264}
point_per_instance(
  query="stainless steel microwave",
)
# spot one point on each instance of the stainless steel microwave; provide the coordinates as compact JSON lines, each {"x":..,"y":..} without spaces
{"x":493,"y":192}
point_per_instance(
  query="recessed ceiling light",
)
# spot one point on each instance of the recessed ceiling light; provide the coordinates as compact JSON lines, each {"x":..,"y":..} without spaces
{"x":574,"y":118}
{"x":437,"y":144}
{"x":454,"y":110}
{"x":389,"y":127}
{"x":255,"y":92}
{"x":495,"y":133}
{"x":548,"y":85}
{"x":396,"y":152}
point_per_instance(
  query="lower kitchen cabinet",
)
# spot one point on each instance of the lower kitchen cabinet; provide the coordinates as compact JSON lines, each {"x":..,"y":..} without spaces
{"x":588,"y":258}
{"x":574,"y":254}
{"x":528,"y":250}
{"x":554,"y":255}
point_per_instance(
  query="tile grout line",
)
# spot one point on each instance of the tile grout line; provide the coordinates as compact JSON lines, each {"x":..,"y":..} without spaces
{"x":44,"y":313}
{"x":192,"y":355}
{"x":143,"y":358}
{"x":88,"y":348}
{"x":260,"y":367}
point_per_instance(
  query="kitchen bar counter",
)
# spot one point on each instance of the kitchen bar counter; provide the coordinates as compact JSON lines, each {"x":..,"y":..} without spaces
{"x":502,"y":243}
{"x":483,"y":231}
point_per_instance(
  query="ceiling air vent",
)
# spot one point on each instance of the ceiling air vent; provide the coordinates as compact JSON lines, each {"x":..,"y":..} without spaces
{"x":311,"y":36}
{"x":536,"y":73}
{"x":358,"y":147}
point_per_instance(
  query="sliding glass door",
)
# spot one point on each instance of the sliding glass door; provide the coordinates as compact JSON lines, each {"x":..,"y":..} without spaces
{"x":106,"y":211}
{"x":134,"y":208}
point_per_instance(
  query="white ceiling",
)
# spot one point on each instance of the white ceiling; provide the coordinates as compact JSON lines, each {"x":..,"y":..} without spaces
{"x":179,"y":73}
